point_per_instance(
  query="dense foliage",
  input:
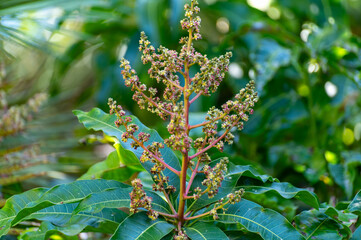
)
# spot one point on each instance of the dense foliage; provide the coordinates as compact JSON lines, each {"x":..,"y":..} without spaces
{"x":306,"y":127}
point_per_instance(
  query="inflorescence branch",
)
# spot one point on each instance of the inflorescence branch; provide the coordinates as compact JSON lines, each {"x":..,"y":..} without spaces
{"x":173,"y":104}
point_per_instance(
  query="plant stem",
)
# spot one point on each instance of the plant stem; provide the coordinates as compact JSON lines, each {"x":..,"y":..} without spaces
{"x":185,"y":159}
{"x":168,"y":215}
{"x":194,"y":173}
{"x":169,"y":202}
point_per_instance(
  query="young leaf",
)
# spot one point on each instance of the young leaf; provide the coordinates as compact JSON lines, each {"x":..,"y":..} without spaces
{"x":97,"y":120}
{"x":140,"y":227}
{"x":205,"y":231}
{"x":111,"y":163}
{"x":268,"y":223}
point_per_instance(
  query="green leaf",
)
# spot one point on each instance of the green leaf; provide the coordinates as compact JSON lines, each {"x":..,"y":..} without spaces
{"x":268,"y":58}
{"x":268,"y":223}
{"x":118,"y":198}
{"x":316,"y":224}
{"x":286,"y":190}
{"x":342,"y":216}
{"x":129,"y":160}
{"x":239,"y":235}
{"x":355,"y":205}
{"x":108,"y":165}
{"x":21,"y":206}
{"x":205,"y":231}
{"x":344,"y":174}
{"x":97,"y":120}
{"x":119,"y":174}
{"x":249,"y":171}
{"x":60,"y":218}
{"x":140,"y":227}
{"x":356,"y":234}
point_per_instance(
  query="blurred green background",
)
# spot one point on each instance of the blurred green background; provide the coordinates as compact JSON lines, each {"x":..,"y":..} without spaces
{"x":305,"y":57}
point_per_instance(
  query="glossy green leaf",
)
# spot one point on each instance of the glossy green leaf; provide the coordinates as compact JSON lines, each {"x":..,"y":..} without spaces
{"x":205,"y":231}
{"x":355,"y":205}
{"x":60,"y":218}
{"x":267,"y":59}
{"x":21,"y":206}
{"x":129,"y":160}
{"x":344,"y":174}
{"x":47,"y":229}
{"x":267,"y":223}
{"x":119,"y":174}
{"x":356,"y":234}
{"x":316,"y":224}
{"x":286,"y":190}
{"x":239,"y":235}
{"x":118,"y":198}
{"x":111,"y":163}
{"x":249,"y":171}
{"x":140,"y":227}
{"x":97,"y":120}
{"x":342,"y":216}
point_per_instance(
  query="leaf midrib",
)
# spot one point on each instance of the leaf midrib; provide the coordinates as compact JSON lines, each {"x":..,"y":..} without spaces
{"x":117,"y":200}
{"x":237,"y":216}
{"x":97,"y":120}
{"x":79,"y":214}
{"x":316,"y":229}
{"x":198,"y":232}
{"x":148,"y":228}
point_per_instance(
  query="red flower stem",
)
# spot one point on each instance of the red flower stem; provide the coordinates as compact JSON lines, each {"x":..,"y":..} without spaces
{"x":169,"y":202}
{"x":210,"y":121}
{"x":175,"y":84}
{"x":167,"y":215}
{"x":210,"y":145}
{"x":154,"y":103}
{"x":156,"y":157}
{"x":194,"y":173}
{"x":188,"y":197}
{"x":195,"y":97}
{"x":216,"y":141}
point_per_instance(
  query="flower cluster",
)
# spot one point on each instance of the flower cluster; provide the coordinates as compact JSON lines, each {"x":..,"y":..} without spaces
{"x":235,"y":197}
{"x":211,"y":74}
{"x":191,"y":23}
{"x":139,"y":199}
{"x":233,"y":114}
{"x":151,"y":152}
{"x":151,"y":102}
{"x":181,"y":235}
{"x":173,"y":104}
{"x":214,"y":177}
